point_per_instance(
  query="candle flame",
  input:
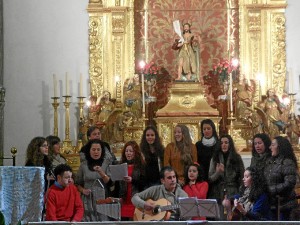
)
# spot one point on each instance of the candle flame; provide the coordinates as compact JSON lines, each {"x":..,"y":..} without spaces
{"x":142,"y":64}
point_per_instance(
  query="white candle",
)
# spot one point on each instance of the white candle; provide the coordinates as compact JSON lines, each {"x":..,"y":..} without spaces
{"x":259,"y":91}
{"x":143,"y":94}
{"x":118,"y":80}
{"x":228,"y":28}
{"x":230,"y":92}
{"x":80,"y":85}
{"x":54,"y":86}
{"x":291,"y":86}
{"x":67,"y":84}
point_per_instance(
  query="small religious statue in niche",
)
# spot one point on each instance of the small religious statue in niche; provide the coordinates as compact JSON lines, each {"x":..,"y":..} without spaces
{"x":118,"y":121}
{"x":188,"y":53}
{"x":93,"y":110}
{"x":244,"y":92}
{"x":133,"y":96}
{"x":106,"y":107}
{"x":276,"y":113}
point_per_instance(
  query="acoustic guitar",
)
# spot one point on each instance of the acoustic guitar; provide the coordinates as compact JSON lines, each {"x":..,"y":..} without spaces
{"x":160,"y":212}
{"x":234,"y":215}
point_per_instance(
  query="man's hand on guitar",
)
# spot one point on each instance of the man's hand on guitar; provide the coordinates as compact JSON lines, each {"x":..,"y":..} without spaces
{"x":149,"y":206}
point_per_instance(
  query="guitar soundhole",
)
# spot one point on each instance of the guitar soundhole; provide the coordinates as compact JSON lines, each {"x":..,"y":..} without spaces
{"x":156,"y":210}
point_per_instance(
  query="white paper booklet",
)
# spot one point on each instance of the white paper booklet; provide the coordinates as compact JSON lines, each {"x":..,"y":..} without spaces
{"x":118,"y":172}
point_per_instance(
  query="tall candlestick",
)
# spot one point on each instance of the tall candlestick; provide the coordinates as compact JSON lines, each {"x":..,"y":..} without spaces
{"x":143,"y":94}
{"x":291,"y":85}
{"x":54,"y":86}
{"x":228,"y":28}
{"x":67,"y":84}
{"x":80,"y":85}
{"x":230,"y":92}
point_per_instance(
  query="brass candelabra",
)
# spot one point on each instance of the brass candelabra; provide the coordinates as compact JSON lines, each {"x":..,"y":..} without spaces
{"x":292,"y":101}
{"x":231,"y":118}
{"x":67,"y":143}
{"x":55,"y":105}
{"x":80,"y":105}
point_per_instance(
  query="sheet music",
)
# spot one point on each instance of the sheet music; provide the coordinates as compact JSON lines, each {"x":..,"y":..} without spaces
{"x":191,"y":206}
{"x":188,"y":207}
{"x":208,"y":208}
{"x":118,"y":172}
{"x":176,"y":26}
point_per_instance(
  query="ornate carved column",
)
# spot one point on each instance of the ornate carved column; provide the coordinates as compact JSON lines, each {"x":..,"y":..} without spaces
{"x":2,"y":90}
{"x":262,"y":42}
{"x":111,"y":36}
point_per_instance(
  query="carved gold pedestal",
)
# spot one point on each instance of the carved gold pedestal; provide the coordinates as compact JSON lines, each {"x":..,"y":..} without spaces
{"x":242,"y":135}
{"x":187,"y":105}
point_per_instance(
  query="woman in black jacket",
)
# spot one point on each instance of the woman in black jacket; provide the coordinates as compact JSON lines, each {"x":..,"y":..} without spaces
{"x":281,"y":174}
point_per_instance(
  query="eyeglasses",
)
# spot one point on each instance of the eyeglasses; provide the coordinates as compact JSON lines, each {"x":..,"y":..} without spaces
{"x":44,"y":146}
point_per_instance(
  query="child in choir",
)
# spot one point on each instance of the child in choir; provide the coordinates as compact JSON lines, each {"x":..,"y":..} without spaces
{"x":195,"y":186}
{"x":63,"y":200}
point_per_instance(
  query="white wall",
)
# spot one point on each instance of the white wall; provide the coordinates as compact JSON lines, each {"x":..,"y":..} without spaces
{"x":41,"y":38}
{"x":51,"y":36}
{"x":293,"y":46}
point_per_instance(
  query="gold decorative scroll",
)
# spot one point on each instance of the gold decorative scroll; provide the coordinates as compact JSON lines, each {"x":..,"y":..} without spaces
{"x":278,"y":51}
{"x":262,"y":42}
{"x":111,"y":36}
{"x":96,"y":55}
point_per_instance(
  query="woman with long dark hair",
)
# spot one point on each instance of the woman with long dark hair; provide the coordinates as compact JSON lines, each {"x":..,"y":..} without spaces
{"x":225,"y":172}
{"x":260,"y":151}
{"x":253,"y":202}
{"x":135,"y":181}
{"x":94,"y":132}
{"x":153,"y":151}
{"x":281,"y":175}
{"x":207,"y":144}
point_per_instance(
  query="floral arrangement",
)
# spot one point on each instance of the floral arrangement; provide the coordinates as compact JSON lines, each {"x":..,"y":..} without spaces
{"x":217,"y":79}
{"x":151,"y":70}
{"x":157,"y":82}
{"x":220,"y":73}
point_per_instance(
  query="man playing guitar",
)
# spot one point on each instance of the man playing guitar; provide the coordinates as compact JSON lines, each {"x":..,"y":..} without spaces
{"x":167,"y":194}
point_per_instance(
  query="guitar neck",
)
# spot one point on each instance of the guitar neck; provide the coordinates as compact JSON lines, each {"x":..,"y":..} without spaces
{"x":169,"y":207}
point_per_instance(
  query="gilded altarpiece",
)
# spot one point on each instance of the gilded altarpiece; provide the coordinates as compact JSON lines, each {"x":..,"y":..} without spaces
{"x":262,"y":41}
{"x":122,"y":33}
{"x":111,"y":45}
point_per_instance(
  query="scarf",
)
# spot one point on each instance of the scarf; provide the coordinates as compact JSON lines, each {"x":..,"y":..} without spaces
{"x":244,"y":200}
{"x":208,"y":141}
